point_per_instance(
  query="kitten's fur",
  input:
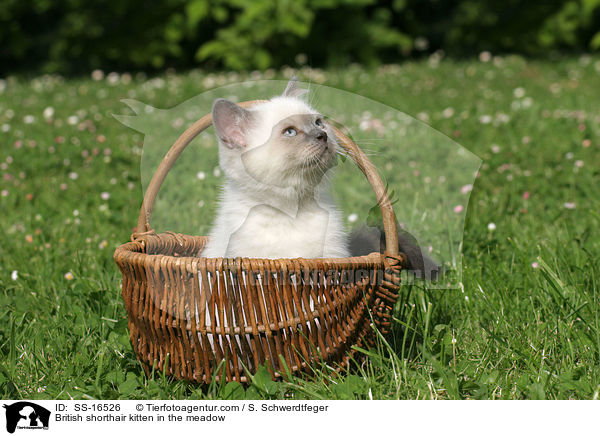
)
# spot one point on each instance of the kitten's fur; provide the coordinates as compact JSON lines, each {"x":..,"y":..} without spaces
{"x":365,"y":240}
{"x":274,"y":202}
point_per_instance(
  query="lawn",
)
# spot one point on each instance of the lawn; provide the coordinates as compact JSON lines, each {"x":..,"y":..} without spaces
{"x":524,"y":321}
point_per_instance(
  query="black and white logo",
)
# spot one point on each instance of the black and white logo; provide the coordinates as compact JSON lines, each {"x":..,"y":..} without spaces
{"x":26,"y":415}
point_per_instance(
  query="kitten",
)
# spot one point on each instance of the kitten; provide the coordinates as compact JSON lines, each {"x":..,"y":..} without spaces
{"x":274,"y":201}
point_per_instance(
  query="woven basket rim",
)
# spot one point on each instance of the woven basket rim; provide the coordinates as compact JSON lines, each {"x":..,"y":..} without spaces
{"x":138,"y":247}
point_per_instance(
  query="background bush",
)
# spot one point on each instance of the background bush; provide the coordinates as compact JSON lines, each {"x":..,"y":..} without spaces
{"x":71,"y":36}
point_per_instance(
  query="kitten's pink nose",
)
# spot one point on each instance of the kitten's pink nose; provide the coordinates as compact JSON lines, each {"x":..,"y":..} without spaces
{"x":322,"y":136}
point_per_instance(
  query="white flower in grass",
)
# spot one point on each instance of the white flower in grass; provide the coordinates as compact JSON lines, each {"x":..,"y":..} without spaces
{"x":352,"y":217}
{"x":112,"y":78}
{"x":485,"y":119}
{"x":201,"y":175}
{"x":569,"y":205}
{"x":69,"y":276}
{"x":491,"y":227}
{"x":501,"y":117}
{"x":423,"y":116}
{"x":105,"y":196}
{"x":97,"y":75}
{"x":448,"y":112}
{"x":14,"y":275}
{"x":485,"y":56}
{"x":28,"y":119}
{"x":519,"y":92}
{"x":48,"y":112}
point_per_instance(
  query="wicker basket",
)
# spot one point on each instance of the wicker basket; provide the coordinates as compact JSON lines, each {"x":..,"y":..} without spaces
{"x":189,"y":314}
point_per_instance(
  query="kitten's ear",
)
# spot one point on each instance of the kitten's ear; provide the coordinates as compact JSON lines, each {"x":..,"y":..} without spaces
{"x":231,"y":122}
{"x":292,"y":89}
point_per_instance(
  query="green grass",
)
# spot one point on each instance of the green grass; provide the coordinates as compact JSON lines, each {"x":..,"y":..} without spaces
{"x":523,"y":324}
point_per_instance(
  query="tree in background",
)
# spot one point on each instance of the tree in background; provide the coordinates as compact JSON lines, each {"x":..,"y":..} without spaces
{"x":70,"y":36}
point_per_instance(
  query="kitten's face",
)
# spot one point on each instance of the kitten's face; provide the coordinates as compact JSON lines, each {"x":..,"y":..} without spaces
{"x":297,"y":153}
{"x":281,"y":143}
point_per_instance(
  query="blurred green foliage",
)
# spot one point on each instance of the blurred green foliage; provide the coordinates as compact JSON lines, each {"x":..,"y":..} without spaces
{"x":75,"y":35}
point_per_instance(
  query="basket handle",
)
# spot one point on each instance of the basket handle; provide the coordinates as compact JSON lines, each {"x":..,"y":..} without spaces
{"x":361,"y":160}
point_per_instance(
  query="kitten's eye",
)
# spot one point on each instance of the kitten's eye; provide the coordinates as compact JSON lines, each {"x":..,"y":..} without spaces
{"x":290,"y":131}
{"x":319,"y":122}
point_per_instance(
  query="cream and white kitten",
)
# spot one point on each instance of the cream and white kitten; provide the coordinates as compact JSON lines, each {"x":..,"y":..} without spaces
{"x":274,"y":202}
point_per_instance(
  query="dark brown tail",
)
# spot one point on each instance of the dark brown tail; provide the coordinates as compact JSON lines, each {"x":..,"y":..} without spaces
{"x":365,"y":240}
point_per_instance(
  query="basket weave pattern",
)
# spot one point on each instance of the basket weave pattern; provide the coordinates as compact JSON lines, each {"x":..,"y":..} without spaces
{"x":188,"y":315}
